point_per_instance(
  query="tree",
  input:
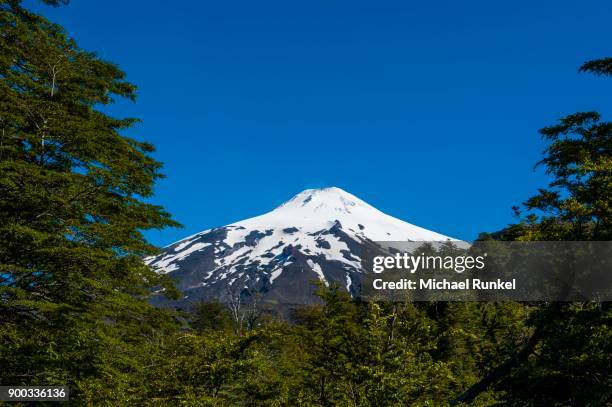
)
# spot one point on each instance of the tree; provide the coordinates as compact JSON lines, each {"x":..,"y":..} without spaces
{"x":211,"y":315}
{"x":598,"y":67}
{"x":73,"y":286}
{"x":565,"y":360}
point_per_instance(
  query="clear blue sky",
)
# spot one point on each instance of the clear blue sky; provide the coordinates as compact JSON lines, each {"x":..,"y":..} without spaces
{"x":427,"y":110}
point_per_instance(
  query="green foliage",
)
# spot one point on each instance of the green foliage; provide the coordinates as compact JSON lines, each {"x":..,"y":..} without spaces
{"x":571,"y":364}
{"x":566,"y":359}
{"x":72,"y":281}
{"x":211,"y":315}
{"x":343,"y":352}
{"x":577,"y":204}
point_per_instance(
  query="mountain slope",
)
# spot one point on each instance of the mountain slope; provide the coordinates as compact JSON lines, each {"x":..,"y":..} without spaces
{"x":319,"y":234}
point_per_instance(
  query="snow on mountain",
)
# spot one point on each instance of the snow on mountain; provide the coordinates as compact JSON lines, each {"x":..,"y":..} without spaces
{"x":318,"y":234}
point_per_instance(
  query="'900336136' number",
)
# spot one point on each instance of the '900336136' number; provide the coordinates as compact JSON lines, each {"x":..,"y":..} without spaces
{"x":33,"y":393}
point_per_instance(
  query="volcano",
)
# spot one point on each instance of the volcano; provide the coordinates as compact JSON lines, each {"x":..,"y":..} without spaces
{"x":318,"y":235}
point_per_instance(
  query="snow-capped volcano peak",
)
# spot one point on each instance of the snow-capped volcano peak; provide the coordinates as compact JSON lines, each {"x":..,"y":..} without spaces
{"x":315,"y":209}
{"x":316,"y":199}
{"x":318,"y":234}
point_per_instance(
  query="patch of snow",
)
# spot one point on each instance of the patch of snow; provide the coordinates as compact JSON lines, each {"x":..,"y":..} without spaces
{"x":349,"y":282}
{"x":317,"y":269}
{"x":275,"y":273}
{"x":183,"y":245}
{"x":166,"y":263}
